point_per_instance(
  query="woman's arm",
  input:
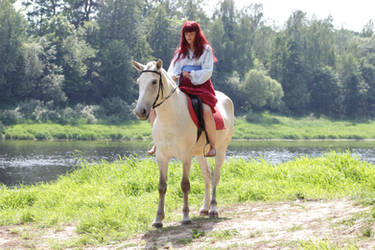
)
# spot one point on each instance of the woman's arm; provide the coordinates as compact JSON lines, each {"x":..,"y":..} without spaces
{"x":199,"y":77}
{"x":174,"y":69}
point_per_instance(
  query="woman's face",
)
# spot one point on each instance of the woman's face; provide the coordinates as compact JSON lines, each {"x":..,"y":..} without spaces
{"x":190,"y":37}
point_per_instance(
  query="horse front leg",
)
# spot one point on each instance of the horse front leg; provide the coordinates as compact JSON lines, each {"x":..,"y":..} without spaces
{"x":163,"y":171}
{"x":185,"y":186}
{"x":219,"y":160}
{"x":205,"y":167}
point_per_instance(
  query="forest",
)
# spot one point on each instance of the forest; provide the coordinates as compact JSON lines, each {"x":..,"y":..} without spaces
{"x":69,"y":61}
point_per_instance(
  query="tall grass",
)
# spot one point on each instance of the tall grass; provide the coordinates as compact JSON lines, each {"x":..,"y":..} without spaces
{"x":111,"y":201}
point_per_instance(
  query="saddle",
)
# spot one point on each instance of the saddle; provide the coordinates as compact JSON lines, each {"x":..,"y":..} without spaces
{"x":195,"y":108}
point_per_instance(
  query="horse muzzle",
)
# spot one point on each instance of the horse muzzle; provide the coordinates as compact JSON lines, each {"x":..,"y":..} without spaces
{"x":142,"y":113}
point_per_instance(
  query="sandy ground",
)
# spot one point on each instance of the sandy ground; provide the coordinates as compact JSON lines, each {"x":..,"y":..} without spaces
{"x":282,"y":225}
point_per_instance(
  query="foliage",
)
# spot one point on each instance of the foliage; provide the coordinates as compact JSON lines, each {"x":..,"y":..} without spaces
{"x":12,"y":35}
{"x":79,"y":52}
{"x":112,"y":201}
{"x":261,"y":90}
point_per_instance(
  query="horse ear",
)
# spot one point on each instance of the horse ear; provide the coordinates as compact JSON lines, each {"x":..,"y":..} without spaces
{"x":159,"y":64}
{"x":138,"y":66}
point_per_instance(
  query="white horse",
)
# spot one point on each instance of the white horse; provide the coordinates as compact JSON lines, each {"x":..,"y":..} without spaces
{"x":175,"y":135}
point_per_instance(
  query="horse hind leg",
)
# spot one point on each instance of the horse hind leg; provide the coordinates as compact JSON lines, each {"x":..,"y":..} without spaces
{"x":207,"y":180}
{"x":219,"y":160}
{"x":185,"y":186}
{"x":163,"y":169}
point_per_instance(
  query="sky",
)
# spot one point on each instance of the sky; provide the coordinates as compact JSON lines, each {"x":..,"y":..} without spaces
{"x":348,"y":14}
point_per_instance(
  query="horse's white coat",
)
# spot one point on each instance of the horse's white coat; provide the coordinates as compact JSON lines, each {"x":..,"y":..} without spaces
{"x":174,"y":135}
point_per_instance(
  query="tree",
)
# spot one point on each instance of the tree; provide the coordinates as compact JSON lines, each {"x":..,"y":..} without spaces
{"x":353,"y":86}
{"x":12,"y":35}
{"x":369,"y":29}
{"x":115,"y":72}
{"x":73,"y":55}
{"x":261,"y":91}
{"x":44,"y":76}
{"x":121,"y":20}
{"x":163,"y":34}
{"x":80,"y":11}
{"x":227,"y":20}
{"x":368,"y":74}
{"x":288,"y":64}
{"x":325,"y":93}
{"x":38,"y":13}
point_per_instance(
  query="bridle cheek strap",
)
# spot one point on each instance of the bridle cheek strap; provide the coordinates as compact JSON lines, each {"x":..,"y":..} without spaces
{"x":160,"y":89}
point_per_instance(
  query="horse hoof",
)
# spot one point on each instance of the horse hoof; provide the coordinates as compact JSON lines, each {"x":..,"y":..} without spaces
{"x":157,"y":224}
{"x":186,"y":222}
{"x":213,"y":214}
{"x":203,"y":213}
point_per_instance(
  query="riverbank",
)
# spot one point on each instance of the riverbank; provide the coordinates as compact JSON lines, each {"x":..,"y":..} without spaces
{"x":105,"y":203}
{"x":262,"y":126}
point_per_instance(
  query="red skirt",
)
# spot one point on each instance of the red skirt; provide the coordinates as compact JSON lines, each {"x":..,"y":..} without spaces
{"x":205,"y":91}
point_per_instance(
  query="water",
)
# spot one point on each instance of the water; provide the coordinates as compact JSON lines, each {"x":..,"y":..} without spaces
{"x":28,"y":162}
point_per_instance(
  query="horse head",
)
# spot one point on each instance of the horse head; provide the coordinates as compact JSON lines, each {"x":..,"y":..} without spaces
{"x":150,"y":85}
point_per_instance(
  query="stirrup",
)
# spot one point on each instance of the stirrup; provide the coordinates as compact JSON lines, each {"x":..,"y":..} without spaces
{"x":152,"y":151}
{"x":211,"y":153}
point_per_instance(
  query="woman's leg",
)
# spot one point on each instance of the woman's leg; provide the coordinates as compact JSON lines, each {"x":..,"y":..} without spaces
{"x":210,"y":127}
{"x":152,"y":119}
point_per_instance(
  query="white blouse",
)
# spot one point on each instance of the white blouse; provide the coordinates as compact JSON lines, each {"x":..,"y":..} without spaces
{"x":197,"y":77}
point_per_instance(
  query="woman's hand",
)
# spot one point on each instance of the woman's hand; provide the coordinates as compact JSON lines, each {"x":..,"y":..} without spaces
{"x":186,"y":74}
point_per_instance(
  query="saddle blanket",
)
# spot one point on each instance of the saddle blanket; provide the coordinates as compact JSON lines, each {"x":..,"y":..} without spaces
{"x":217,"y":116}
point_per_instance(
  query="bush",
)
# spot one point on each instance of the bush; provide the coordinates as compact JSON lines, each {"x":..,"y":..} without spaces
{"x":116,"y":110}
{"x":261,"y":118}
{"x":261,"y":90}
{"x":9,"y":117}
{"x":112,"y":110}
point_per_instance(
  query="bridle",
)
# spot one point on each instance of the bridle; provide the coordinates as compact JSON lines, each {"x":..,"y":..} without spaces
{"x":154,"y":105}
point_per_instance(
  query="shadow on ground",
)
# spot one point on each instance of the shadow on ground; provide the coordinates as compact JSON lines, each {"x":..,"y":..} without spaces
{"x":178,"y":235}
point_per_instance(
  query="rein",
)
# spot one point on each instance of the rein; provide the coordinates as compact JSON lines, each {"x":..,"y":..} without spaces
{"x":154,"y":105}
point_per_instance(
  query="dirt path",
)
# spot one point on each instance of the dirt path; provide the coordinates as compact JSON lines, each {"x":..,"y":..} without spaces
{"x":283,"y":225}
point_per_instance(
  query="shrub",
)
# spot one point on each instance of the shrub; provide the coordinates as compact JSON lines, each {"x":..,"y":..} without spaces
{"x":115,"y":110}
{"x":10,"y":116}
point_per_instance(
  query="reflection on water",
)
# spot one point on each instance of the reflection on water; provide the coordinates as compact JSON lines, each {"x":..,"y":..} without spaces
{"x":30,"y":162}
{"x":277,"y":152}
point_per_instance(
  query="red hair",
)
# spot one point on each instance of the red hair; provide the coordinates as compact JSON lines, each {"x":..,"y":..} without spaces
{"x":199,"y":42}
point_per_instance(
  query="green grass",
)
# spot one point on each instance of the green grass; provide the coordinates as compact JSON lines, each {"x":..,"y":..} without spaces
{"x":134,"y":130}
{"x":263,"y":126}
{"x":268,"y":126}
{"x":112,"y":201}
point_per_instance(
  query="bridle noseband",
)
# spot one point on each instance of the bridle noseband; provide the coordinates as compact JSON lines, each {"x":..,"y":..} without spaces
{"x":154,"y":105}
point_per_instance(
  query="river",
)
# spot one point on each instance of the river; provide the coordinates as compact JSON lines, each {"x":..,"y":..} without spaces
{"x":29,"y":162}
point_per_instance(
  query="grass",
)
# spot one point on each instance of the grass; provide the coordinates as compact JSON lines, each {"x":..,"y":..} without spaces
{"x":133,"y":130}
{"x":268,"y":126}
{"x":107,"y":202}
{"x":263,"y":126}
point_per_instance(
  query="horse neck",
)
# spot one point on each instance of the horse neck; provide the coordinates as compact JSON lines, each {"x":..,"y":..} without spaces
{"x":172,"y":105}
{"x":168,"y":84}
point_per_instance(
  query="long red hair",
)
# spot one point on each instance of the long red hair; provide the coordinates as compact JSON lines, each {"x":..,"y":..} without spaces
{"x":199,"y":42}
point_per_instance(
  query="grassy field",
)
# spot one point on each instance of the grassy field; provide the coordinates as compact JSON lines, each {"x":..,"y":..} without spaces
{"x":261,"y":126}
{"x":109,"y":202}
{"x":133,"y":130}
{"x":268,"y":126}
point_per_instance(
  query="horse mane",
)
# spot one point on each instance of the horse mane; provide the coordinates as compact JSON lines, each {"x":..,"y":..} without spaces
{"x":168,"y":77}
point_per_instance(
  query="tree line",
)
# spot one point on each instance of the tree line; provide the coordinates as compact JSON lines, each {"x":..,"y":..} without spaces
{"x":69,"y":61}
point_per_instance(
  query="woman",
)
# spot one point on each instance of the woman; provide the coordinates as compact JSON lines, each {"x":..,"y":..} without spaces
{"x":192,"y":65}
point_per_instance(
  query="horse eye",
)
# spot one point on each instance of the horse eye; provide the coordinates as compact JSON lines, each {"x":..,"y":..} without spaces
{"x":154,"y":82}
